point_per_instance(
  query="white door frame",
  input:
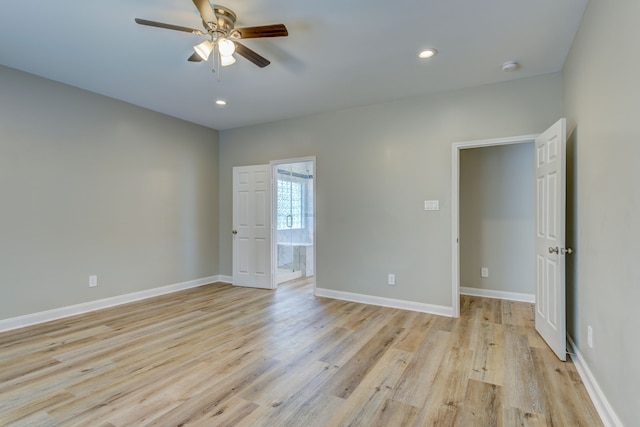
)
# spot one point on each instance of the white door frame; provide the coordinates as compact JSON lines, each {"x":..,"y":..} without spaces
{"x":455,"y":204}
{"x":274,"y":216}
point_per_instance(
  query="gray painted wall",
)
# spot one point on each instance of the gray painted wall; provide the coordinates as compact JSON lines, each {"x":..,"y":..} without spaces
{"x":90,"y":185}
{"x":601,"y":92}
{"x":375,"y":167}
{"x":497,"y":218}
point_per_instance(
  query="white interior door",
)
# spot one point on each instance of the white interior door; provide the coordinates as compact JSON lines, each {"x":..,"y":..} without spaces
{"x":252,"y":226}
{"x":550,"y":160}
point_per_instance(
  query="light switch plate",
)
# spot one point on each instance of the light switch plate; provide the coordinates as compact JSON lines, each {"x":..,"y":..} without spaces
{"x":432,"y":205}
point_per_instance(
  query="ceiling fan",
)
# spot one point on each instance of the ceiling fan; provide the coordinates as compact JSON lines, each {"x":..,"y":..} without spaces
{"x":219,"y":27}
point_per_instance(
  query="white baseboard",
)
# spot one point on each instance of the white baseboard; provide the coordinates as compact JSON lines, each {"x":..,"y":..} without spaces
{"x":225,"y":279}
{"x":72,"y":310}
{"x":606,"y":412}
{"x":385,"y":302}
{"x":487,"y":293}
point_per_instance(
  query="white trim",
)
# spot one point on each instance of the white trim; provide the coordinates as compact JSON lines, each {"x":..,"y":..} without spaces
{"x":489,"y":293}
{"x":225,"y":279}
{"x":455,"y":205}
{"x":385,"y":302}
{"x":72,"y":310}
{"x":606,"y":412}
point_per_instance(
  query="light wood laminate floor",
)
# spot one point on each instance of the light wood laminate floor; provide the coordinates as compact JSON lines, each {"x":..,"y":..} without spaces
{"x":223,"y":356}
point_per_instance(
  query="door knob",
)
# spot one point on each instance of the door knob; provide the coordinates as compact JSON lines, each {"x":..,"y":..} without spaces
{"x":567,"y":251}
{"x":234,"y":232}
{"x":552,"y":250}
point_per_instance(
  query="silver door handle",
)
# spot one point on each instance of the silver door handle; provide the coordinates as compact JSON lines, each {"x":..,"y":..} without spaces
{"x":563,"y":251}
{"x":234,"y":232}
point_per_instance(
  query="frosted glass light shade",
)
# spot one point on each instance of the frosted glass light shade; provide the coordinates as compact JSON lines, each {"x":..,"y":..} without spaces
{"x":226,"y":47}
{"x":204,"y":49}
{"x":227,"y":60}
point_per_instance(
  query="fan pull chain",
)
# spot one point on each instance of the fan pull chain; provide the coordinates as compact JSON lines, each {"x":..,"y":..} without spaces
{"x":217,"y":59}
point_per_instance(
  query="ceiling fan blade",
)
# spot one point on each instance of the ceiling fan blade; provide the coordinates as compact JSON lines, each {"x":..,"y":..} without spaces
{"x":194,"y":58}
{"x":168,"y":26}
{"x":206,"y":12}
{"x":276,"y":30}
{"x":252,"y":56}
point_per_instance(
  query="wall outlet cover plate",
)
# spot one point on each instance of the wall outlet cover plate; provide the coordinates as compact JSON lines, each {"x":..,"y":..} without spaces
{"x":432,"y":205}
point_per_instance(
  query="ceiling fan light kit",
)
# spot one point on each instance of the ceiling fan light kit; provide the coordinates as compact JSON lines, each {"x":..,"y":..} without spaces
{"x":226,"y":47}
{"x":227,"y":60}
{"x":224,"y":38}
{"x":204,"y":49}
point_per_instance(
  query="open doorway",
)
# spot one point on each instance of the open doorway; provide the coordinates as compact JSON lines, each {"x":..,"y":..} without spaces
{"x":457,"y":273}
{"x":497,"y":222}
{"x":293,"y":247}
{"x":550,"y":223}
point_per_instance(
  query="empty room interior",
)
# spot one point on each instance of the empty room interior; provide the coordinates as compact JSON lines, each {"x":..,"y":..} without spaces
{"x":322,"y":226}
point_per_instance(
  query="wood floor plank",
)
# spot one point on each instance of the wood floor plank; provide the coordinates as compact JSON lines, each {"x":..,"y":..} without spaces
{"x":373,"y":396}
{"x":521,"y":387}
{"x":208,"y":401}
{"x":354,"y":371}
{"x":449,"y":388}
{"x":314,"y":411}
{"x":229,"y":414}
{"x":492,"y":310}
{"x":416,"y":329}
{"x":515,"y":313}
{"x":35,"y":406}
{"x":517,"y":417}
{"x":277,"y":386}
{"x":564,"y":409}
{"x":218,"y":355}
{"x":287,"y":409}
{"x":488,"y":363}
{"x":348,"y":347}
{"x":415,"y":385}
{"x":482,"y":406}
{"x":18,"y":367}
{"x":40,"y":418}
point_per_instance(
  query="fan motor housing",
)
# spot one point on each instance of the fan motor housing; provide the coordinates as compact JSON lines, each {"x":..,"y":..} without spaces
{"x":226,"y":19}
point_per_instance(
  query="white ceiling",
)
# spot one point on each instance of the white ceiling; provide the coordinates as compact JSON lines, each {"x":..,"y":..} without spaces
{"x":339,"y":53}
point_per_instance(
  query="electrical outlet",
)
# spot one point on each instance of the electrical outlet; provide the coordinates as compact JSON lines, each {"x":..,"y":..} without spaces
{"x":590,"y":336}
{"x":93,"y":281}
{"x":484,"y":272}
{"x":391,"y":280}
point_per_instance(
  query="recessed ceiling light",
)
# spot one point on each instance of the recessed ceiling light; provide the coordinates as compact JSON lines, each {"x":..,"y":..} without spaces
{"x":221,"y":102}
{"x":428,"y":53}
